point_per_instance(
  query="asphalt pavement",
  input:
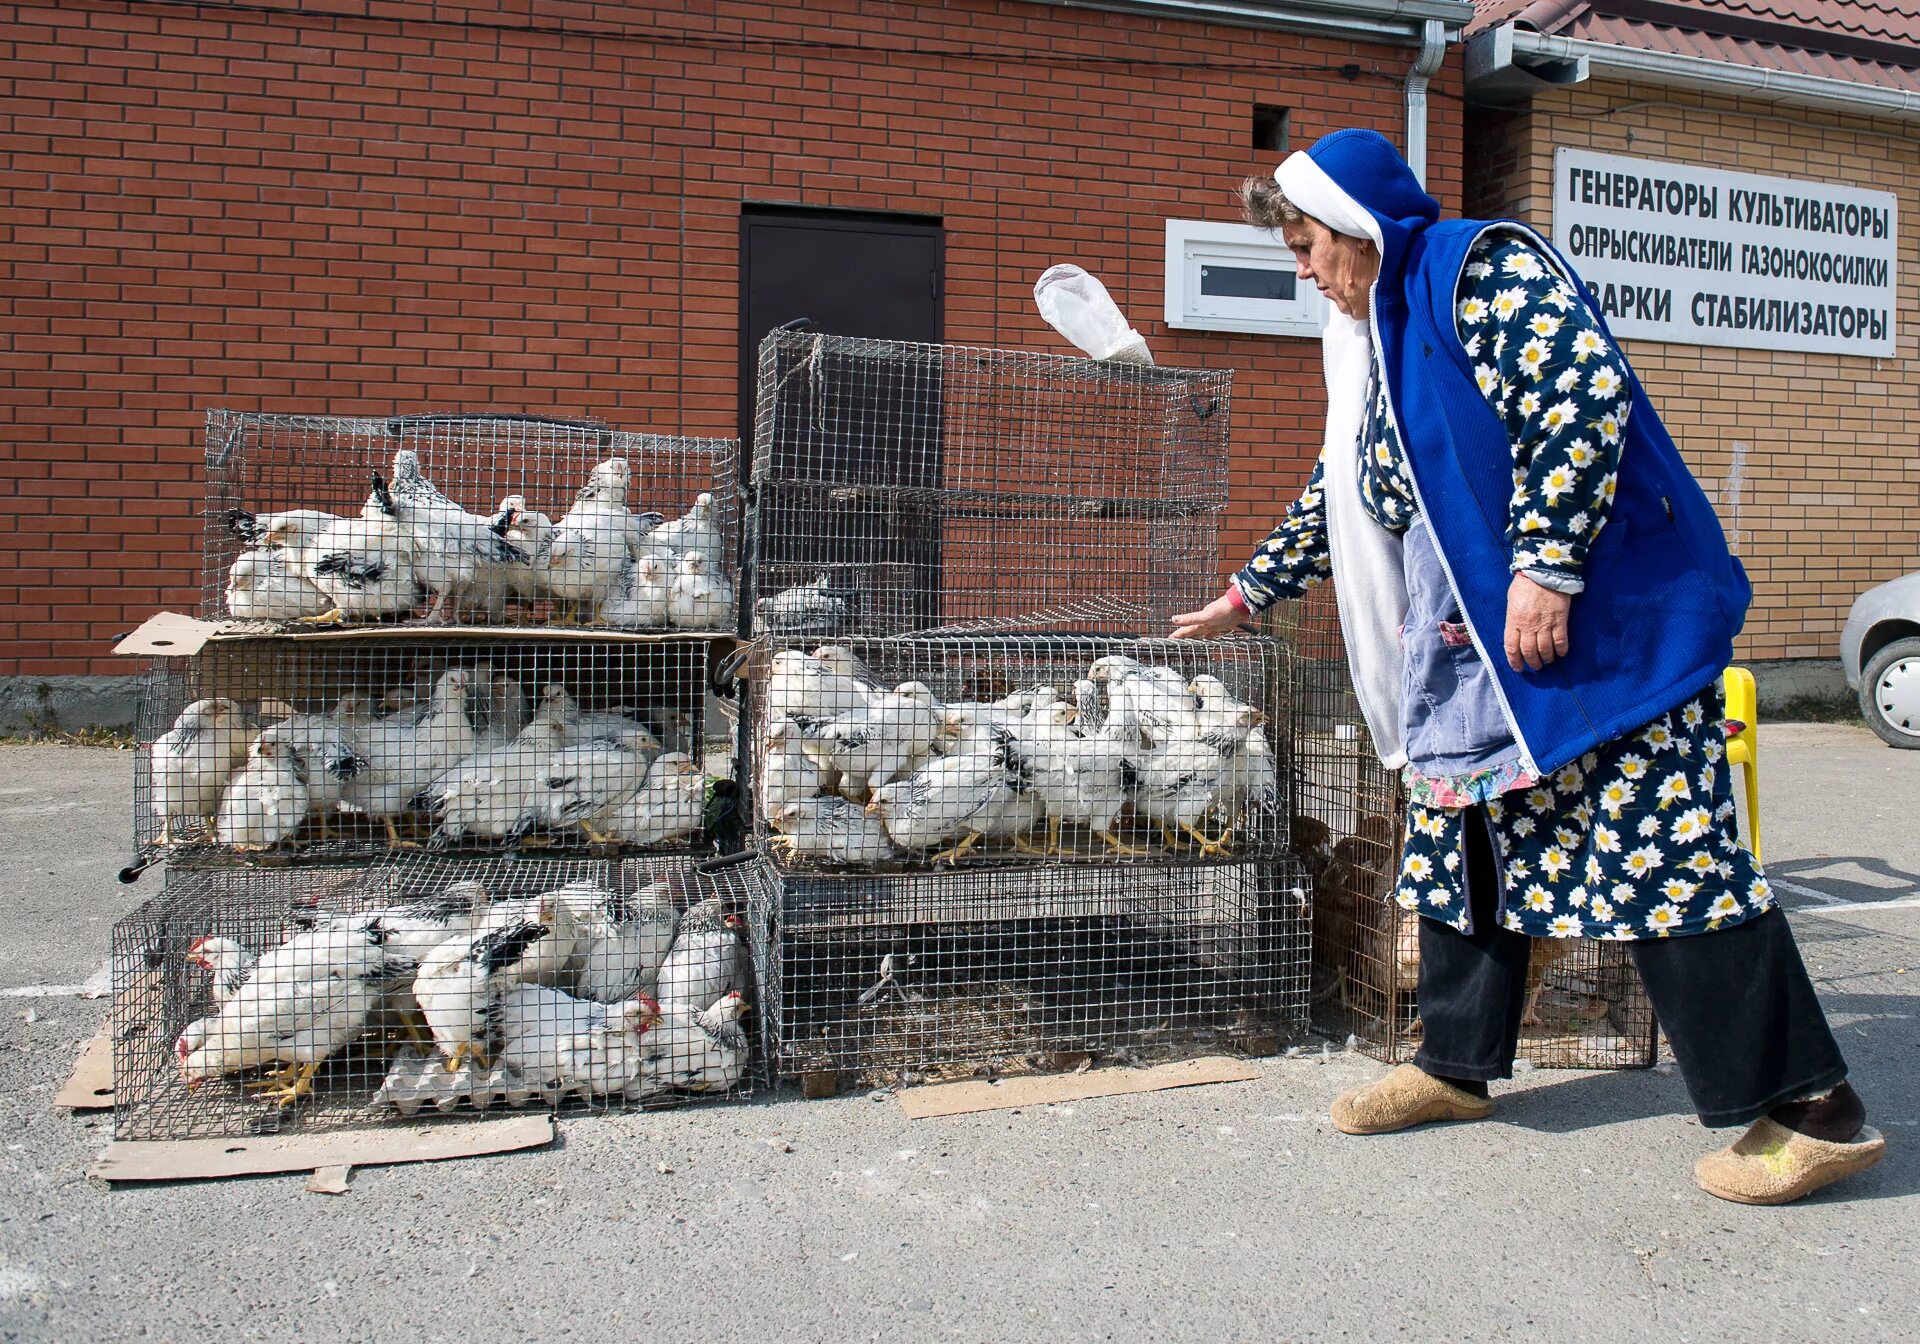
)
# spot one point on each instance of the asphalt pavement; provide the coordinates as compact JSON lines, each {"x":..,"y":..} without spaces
{"x":1231,"y":1212}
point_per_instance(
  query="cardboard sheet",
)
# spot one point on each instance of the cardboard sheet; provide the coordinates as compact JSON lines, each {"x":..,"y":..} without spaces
{"x":923,"y":1103}
{"x":203,"y":1159}
{"x":90,"y":1088}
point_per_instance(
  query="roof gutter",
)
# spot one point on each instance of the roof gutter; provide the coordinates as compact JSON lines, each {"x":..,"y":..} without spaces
{"x":1510,"y":64}
{"x":1394,"y":22}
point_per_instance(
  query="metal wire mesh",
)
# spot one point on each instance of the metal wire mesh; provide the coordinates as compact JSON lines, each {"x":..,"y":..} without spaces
{"x":251,"y":1001}
{"x":903,"y":979}
{"x":902,"y":488}
{"x":340,"y":747}
{"x":1585,"y":1007}
{"x":909,"y":753}
{"x":511,"y":520}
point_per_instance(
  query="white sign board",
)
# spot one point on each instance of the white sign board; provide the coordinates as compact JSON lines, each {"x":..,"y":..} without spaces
{"x":1704,"y":257}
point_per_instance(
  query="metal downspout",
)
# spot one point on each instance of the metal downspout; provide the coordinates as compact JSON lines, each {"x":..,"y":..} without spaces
{"x":1433,"y":50}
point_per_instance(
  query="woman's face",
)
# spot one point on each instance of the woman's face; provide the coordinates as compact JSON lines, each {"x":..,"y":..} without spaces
{"x":1343,"y":267}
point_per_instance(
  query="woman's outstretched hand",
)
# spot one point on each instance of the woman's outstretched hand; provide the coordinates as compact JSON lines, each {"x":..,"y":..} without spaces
{"x":1216,"y":618}
{"x":1536,"y":624}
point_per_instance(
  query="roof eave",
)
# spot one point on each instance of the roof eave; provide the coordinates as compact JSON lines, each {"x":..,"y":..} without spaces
{"x":1509,"y":64}
{"x":1396,"y":22}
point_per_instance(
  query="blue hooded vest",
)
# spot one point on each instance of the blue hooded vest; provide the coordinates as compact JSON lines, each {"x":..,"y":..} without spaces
{"x":1664,"y":595}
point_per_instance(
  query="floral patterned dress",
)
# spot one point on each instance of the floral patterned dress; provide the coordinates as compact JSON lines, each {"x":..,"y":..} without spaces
{"x":1637,"y":838}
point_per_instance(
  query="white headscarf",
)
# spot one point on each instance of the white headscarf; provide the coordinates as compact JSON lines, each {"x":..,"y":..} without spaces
{"x":1368,"y":570}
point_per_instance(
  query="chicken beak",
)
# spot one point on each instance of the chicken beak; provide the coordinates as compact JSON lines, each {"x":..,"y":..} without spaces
{"x":872,"y":809}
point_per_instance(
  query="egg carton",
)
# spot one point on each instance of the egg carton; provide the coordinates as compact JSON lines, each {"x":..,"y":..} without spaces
{"x":417,"y":1080}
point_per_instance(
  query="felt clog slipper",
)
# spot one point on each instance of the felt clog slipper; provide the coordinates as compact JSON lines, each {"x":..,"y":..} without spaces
{"x":1771,"y":1164}
{"x":1404,"y":1098}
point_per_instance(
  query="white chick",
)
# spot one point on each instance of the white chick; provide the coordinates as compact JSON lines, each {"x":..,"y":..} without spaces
{"x":266,"y":801}
{"x":788,"y":774}
{"x":583,"y":557}
{"x":324,"y":743}
{"x":943,"y":802}
{"x":497,"y":793}
{"x":701,"y":598}
{"x":453,"y":550}
{"x":832,"y":829}
{"x":404,"y":757}
{"x":705,"y":961}
{"x":460,"y":985}
{"x":809,"y":608}
{"x":887,"y":739}
{"x":698,"y":1051}
{"x":809,"y":689}
{"x":554,"y":1040}
{"x":622,"y":941}
{"x":364,"y":565}
{"x":193,"y":760}
{"x":585,"y":781}
{"x":695,"y":530}
{"x":671,"y":806}
{"x":265,"y":584}
{"x":639,"y":597}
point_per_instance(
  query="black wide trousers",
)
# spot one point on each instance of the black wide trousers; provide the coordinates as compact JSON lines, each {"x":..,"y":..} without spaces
{"x":1736,"y":1005}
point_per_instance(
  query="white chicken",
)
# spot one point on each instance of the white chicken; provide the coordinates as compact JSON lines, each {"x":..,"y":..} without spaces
{"x":832,"y":829}
{"x":558,"y":706}
{"x":496,"y":794}
{"x":453,"y":550}
{"x":639,"y":597}
{"x":695,"y":530}
{"x":364,"y":565}
{"x":705,"y":961}
{"x":265,"y":584}
{"x":964,"y":797}
{"x":404,"y":757}
{"x":701,"y":598}
{"x":291,"y":529}
{"x":788,"y":774}
{"x":324,"y":744}
{"x":412,"y":933}
{"x":670,"y":806}
{"x":808,"y":608}
{"x":266,"y":801}
{"x":621,"y":941}
{"x":554,"y":1040}
{"x":702,"y":1050}
{"x":496,"y":586}
{"x":810,"y":689}
{"x":460,"y":985}
{"x":585,"y":781}
{"x":228,"y":963}
{"x":582,"y":559}
{"x":1157,"y":698}
{"x":887,"y":739}
{"x":192,"y":761}
{"x":1102,"y":766}
{"x":304,"y":1001}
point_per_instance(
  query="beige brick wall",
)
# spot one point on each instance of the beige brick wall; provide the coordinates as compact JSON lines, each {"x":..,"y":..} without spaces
{"x":1812,"y":460}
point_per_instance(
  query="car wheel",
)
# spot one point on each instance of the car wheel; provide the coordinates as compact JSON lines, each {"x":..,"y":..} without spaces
{"x":1890,"y":693}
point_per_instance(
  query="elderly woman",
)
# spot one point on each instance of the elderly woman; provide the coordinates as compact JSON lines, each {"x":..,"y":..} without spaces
{"x":1537,"y":601}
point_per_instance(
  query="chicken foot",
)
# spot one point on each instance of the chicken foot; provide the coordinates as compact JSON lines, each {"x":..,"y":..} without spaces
{"x":298,"y":1084}
{"x":954,"y":854}
{"x":1121,"y":848}
{"x":334,"y":617}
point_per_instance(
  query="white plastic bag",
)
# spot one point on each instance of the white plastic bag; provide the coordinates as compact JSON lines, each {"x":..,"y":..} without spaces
{"x":1079,"y":308}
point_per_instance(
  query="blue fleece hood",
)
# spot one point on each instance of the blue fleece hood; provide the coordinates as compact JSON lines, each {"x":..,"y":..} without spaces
{"x":1365,"y":166}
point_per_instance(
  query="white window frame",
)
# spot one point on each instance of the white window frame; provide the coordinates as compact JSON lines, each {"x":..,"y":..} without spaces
{"x":1193,"y":243}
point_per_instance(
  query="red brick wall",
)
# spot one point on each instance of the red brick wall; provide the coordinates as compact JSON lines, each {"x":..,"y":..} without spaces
{"x":356,"y":207}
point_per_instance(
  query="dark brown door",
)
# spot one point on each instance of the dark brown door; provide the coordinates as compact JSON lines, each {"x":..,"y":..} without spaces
{"x":854,"y":418}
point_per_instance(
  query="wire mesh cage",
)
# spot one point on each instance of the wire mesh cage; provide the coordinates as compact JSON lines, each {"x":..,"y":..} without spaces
{"x":920,"y":752}
{"x":1585,"y":1006}
{"x":485,"y":519}
{"x":901,"y":488}
{"x":340,"y":747}
{"x":903,"y":979}
{"x":248,"y":1001}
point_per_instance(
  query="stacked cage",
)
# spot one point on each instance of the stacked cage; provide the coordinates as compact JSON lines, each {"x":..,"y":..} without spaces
{"x":440,"y":852}
{"x":1585,"y":1007}
{"x":1001,"y":818}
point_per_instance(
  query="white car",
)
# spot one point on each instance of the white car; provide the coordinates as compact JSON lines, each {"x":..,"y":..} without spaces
{"x":1880,"y":650}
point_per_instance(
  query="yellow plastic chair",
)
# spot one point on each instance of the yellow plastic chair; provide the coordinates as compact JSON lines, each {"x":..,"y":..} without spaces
{"x":1743,"y":749}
